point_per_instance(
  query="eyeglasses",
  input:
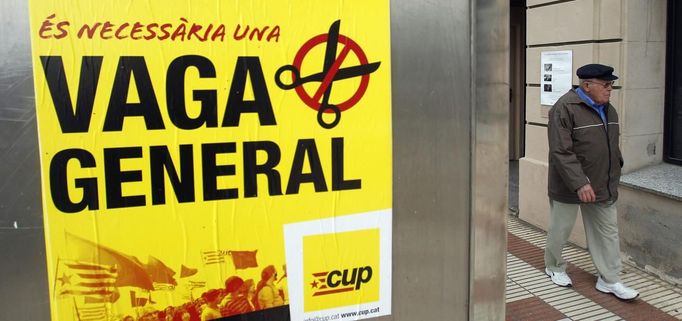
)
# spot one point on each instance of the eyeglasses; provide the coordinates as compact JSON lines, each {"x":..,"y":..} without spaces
{"x":608,"y":84}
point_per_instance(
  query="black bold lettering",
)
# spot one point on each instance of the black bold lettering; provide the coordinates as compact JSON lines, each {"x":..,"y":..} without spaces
{"x":252,"y":168}
{"x":248,"y":66}
{"x":316,"y":175}
{"x":339,"y":183}
{"x":175,"y":93}
{"x":119,"y":107}
{"x":211,"y":171}
{"x":71,"y":121}
{"x":364,"y":277}
{"x":331,"y":283}
{"x":349,"y":281}
{"x":160,"y":161}
{"x":59,"y":188}
{"x":115,"y":177}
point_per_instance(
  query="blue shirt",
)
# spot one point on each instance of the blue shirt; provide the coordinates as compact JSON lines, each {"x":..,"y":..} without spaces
{"x":598,"y":108}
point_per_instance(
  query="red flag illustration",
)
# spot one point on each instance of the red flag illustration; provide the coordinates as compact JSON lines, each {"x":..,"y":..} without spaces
{"x":159,"y":272}
{"x":130,"y":271}
{"x":187,"y":271}
{"x":135,"y":301}
{"x":244,"y":259}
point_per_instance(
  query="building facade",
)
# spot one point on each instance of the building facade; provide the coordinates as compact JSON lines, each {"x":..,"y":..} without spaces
{"x":639,"y":38}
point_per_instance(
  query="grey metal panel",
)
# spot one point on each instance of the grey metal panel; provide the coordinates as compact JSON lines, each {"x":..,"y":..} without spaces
{"x":450,"y":90}
{"x":490,"y":159}
{"x":431,"y":80}
{"x":23,"y":275}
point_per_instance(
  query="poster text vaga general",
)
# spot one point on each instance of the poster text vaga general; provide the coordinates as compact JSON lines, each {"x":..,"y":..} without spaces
{"x":306,"y":165}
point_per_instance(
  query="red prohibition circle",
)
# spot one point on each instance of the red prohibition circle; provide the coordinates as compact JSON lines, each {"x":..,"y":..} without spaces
{"x":350,"y":45}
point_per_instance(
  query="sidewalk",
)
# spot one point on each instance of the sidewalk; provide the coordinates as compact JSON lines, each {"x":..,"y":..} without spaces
{"x":532,"y":296}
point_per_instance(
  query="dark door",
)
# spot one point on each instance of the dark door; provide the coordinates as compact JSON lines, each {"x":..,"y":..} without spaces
{"x":672,"y":143}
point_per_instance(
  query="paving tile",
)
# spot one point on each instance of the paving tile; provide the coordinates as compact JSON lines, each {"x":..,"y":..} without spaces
{"x":582,"y":302}
{"x":666,"y":298}
{"x":673,"y":306}
{"x":577,"y":305}
{"x":599,"y":313}
{"x":532,"y":309}
{"x":602,"y":318}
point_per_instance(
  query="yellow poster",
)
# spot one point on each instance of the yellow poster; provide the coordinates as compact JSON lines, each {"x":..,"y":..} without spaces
{"x":207,"y":159}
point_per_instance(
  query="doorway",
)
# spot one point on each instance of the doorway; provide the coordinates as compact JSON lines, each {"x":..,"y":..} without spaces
{"x":517,"y":96}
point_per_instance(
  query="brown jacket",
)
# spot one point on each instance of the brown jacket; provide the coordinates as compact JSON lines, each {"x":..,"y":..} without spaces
{"x":582,"y":151}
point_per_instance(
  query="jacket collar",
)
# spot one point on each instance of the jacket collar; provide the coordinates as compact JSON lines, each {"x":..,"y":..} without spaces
{"x":573,"y":98}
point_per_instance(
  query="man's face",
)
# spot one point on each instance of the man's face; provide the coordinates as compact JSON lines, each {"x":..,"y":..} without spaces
{"x":599,"y":90}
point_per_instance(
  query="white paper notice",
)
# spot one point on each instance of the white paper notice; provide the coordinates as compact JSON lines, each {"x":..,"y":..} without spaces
{"x":556,"y":75}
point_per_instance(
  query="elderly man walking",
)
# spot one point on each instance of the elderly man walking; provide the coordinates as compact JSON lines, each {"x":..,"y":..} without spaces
{"x":584,"y":171}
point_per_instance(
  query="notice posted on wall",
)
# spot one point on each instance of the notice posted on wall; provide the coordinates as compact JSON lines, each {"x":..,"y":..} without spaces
{"x":208,"y":159}
{"x":556,"y":75}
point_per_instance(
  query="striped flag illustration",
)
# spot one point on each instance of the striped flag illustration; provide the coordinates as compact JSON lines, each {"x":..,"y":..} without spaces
{"x":131,"y":271}
{"x":212,"y":257}
{"x":163,"y":287}
{"x":92,"y":312}
{"x":196,"y":284}
{"x":86,"y":279}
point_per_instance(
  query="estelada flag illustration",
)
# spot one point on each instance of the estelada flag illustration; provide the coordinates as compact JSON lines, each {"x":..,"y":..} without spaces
{"x":131,"y":271}
{"x":91,"y":312}
{"x":212,"y":257}
{"x":86,"y":279}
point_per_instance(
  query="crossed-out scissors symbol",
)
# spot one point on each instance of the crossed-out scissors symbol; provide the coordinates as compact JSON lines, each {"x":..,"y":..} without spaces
{"x":331,"y":72}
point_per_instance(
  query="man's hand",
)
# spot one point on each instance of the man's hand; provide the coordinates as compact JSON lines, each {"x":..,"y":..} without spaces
{"x":586,"y":194}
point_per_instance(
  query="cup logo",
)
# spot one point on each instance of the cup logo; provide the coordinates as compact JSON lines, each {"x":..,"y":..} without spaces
{"x":341,"y":281}
{"x":341,"y":269}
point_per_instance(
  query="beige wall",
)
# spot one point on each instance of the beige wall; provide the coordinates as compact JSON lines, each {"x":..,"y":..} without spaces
{"x":626,"y":34}
{"x":643,"y":82}
{"x":649,"y":232}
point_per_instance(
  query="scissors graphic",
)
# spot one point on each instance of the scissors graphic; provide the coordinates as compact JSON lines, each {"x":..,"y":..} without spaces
{"x":331,"y":72}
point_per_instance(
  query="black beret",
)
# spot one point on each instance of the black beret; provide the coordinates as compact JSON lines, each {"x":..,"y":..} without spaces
{"x":596,"y":71}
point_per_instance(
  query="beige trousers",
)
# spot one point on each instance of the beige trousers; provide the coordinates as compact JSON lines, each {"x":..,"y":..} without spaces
{"x":601,"y":230}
